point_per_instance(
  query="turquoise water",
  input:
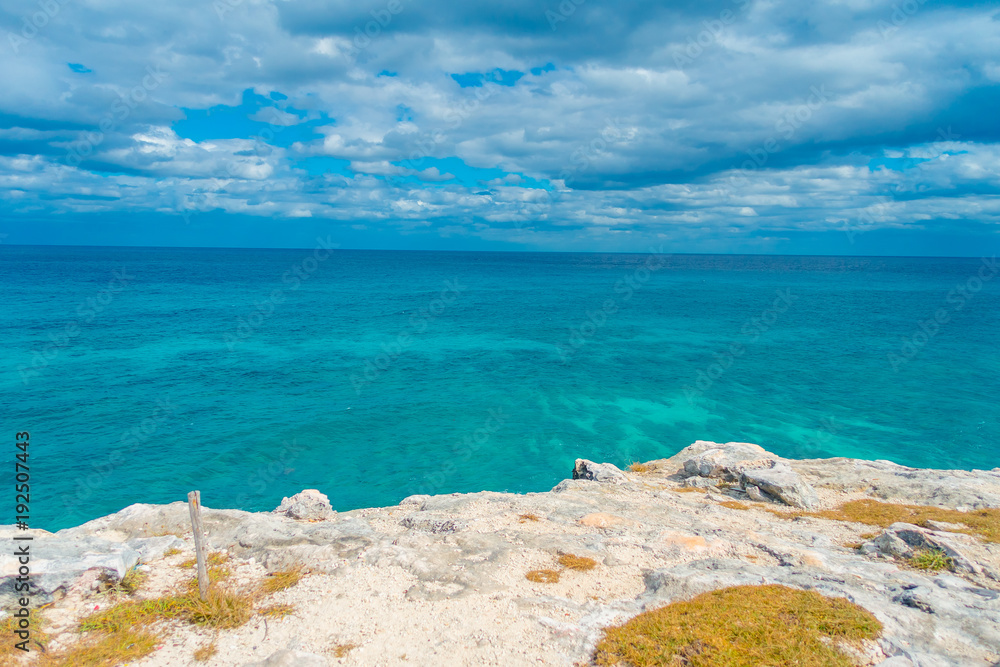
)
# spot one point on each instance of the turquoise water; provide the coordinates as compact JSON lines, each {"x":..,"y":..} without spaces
{"x":376,"y":375}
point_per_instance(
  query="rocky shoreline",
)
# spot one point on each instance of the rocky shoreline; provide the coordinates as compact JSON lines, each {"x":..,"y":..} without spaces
{"x":441,"y":579}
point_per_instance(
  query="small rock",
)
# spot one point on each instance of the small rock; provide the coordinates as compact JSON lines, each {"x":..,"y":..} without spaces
{"x":701,"y":483}
{"x":598,"y":472}
{"x":290,"y":658}
{"x":946,"y":527}
{"x":903,"y":540}
{"x":754,"y":493}
{"x":890,"y":544}
{"x":309,"y":505}
{"x":782,"y":483}
{"x":914,"y":601}
{"x":419,"y":499}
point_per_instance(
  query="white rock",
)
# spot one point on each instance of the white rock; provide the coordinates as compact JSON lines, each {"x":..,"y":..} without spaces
{"x":599,"y":472}
{"x":307,"y":505}
{"x":782,"y":483}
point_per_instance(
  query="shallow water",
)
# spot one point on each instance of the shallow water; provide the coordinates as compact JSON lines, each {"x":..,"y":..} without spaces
{"x":373,"y":375}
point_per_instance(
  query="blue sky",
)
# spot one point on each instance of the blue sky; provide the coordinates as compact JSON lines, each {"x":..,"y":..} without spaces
{"x":835,"y":127}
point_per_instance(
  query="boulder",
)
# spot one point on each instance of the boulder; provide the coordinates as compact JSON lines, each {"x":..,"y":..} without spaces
{"x":725,"y":462}
{"x":904,"y":540}
{"x":59,"y":562}
{"x":599,"y":472}
{"x":783,"y":483}
{"x":308,"y":505}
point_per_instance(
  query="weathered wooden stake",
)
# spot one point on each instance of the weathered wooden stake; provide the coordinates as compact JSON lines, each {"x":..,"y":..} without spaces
{"x":194,"y":504}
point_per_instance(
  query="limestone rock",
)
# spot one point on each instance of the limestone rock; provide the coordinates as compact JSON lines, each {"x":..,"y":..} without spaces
{"x":782,"y":483}
{"x":308,"y":505}
{"x":291,"y":658}
{"x":947,"y":527}
{"x":598,"y":472}
{"x":701,"y":483}
{"x":755,"y":494}
{"x":418,"y":500}
{"x":154,"y":548}
{"x":903,"y":540}
{"x":433,"y":522}
{"x":58,"y":562}
{"x":724,"y":462}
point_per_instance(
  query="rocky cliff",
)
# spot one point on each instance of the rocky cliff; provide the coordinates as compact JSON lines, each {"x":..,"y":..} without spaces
{"x":441,"y":579}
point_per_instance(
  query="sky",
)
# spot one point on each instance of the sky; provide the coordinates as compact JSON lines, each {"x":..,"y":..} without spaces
{"x":730,"y":126}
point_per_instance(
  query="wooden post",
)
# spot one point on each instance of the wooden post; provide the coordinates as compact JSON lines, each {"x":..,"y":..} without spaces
{"x":194,"y":504}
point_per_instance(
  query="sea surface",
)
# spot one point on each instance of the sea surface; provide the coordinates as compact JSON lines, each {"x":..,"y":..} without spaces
{"x":144,"y":373}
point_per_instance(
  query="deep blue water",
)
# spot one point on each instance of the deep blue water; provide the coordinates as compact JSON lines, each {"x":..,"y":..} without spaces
{"x":374,"y":375}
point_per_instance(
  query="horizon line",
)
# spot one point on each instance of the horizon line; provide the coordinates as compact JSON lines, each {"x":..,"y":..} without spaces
{"x":534,"y":252}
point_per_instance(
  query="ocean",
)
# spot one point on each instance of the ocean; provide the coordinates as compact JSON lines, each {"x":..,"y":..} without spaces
{"x":144,"y":373}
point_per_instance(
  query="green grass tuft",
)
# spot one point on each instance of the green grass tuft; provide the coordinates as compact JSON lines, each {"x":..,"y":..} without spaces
{"x":933,"y":560}
{"x":741,"y":626}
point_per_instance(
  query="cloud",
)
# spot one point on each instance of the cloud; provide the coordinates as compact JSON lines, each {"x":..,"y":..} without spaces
{"x":607,"y":127}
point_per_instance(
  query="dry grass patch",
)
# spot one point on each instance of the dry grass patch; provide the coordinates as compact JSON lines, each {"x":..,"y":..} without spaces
{"x":984,"y":523}
{"x":282,"y":579}
{"x":222,"y":609}
{"x":173,"y":551}
{"x":528,"y":517}
{"x":206,"y":652}
{"x":581,"y":563}
{"x":277,"y":610}
{"x":10,"y":624}
{"x":543,"y":576}
{"x":104,"y":650}
{"x":741,"y":626}
{"x":734,"y":505}
{"x":120,"y":633}
{"x":689,"y":489}
{"x":215,"y":559}
{"x":341,"y":650}
{"x":640,"y":468}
